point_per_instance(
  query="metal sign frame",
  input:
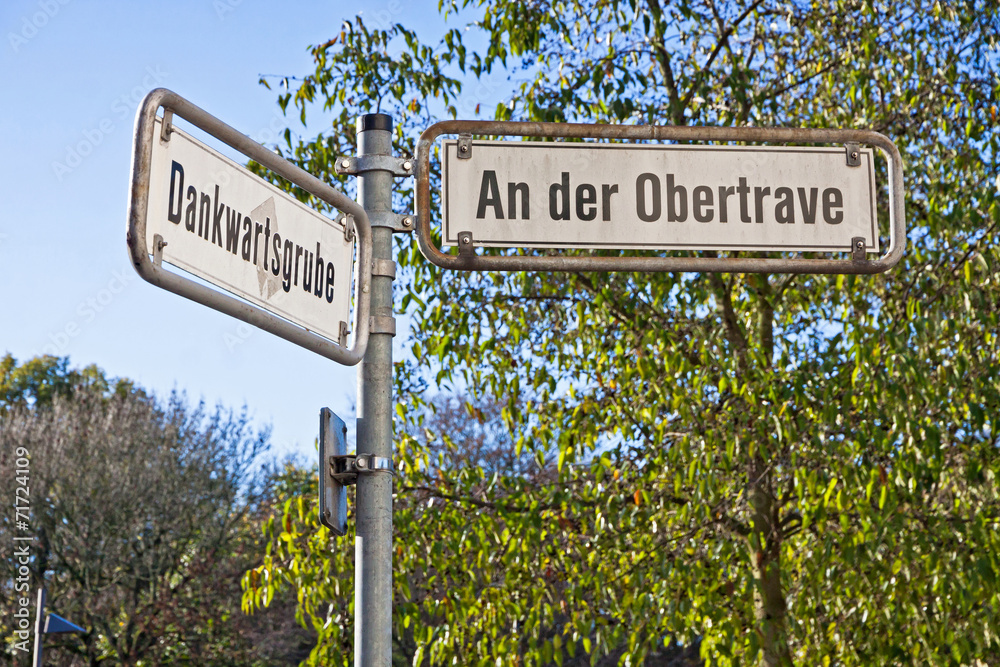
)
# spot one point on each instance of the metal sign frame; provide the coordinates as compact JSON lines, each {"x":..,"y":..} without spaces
{"x":467,"y":260}
{"x":152,"y":271}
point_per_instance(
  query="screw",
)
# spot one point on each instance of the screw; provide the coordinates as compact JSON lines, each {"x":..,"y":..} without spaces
{"x":465,"y":240}
{"x":854,"y":155}
{"x":463,"y":148}
{"x":326,"y":513}
{"x":407,"y":222}
{"x":361,"y":463}
{"x":861,"y":245}
{"x":407,"y":165}
{"x":345,"y":164}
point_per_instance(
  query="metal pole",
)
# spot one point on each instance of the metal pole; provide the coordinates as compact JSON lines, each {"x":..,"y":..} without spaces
{"x":373,"y":544}
{"x":39,"y":627}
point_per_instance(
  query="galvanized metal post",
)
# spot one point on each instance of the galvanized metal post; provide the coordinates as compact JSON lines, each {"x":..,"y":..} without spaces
{"x":373,"y":544}
{"x":39,"y":628}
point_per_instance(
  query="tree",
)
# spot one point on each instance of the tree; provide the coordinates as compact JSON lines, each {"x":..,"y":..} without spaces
{"x":493,"y":472}
{"x":786,"y":469}
{"x":38,"y":381}
{"x":143,"y":516}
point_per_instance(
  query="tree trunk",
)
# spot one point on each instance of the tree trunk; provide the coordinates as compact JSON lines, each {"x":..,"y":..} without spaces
{"x":765,"y":545}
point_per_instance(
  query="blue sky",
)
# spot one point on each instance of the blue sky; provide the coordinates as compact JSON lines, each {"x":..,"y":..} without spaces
{"x":72,"y":74}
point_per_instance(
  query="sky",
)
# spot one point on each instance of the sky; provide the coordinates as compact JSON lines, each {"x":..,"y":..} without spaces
{"x":72,"y":73}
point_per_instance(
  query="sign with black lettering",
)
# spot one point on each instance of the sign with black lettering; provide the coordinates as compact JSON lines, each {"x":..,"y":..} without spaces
{"x":230,"y":227}
{"x":670,"y":197}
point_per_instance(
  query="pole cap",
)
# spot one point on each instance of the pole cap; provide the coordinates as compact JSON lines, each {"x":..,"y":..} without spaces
{"x":375,"y":121}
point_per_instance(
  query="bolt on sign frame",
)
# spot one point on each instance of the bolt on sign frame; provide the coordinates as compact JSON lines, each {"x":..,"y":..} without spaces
{"x":148,"y":262}
{"x":467,"y":260}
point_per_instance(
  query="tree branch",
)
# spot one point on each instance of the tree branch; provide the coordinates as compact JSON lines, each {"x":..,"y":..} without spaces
{"x":663,"y":61}
{"x":734,"y":332}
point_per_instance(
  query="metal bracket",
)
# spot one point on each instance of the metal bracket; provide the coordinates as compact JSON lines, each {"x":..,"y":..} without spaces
{"x":397,"y":166}
{"x":342,"y":468}
{"x":465,"y":246}
{"x":166,"y":125}
{"x":858,"y":248}
{"x":399,"y":223}
{"x":384,"y":267}
{"x":381,"y":324}
{"x":158,"y":245}
{"x":464,"y":146}
{"x":853,"y":151}
{"x":366,"y":463}
{"x":342,"y":334}
{"x":345,"y":468}
{"x":348,"y":222}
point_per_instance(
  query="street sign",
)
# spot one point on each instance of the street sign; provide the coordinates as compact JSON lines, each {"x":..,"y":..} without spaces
{"x":280,"y":265}
{"x":793,"y":191}
{"x":658,"y":197}
{"x":332,"y":490}
{"x":239,"y":232}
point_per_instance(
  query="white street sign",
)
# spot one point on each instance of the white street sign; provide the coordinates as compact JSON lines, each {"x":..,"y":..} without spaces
{"x":658,"y":197}
{"x":230,"y":227}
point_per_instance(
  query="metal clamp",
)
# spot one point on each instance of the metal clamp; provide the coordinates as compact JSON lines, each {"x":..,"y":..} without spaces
{"x":158,"y":245}
{"x":465,"y":245}
{"x":342,"y":333}
{"x":397,"y":222}
{"x":858,"y":247}
{"x":342,"y":468}
{"x":365,"y":463}
{"x":384,"y":267}
{"x":345,"y":468}
{"x":348,"y":222}
{"x":397,"y":166}
{"x":166,"y":125}
{"x":381,"y":324}
{"x":853,"y":151}
{"x":464,"y":146}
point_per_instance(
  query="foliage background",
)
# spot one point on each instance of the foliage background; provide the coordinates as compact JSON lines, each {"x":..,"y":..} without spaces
{"x":770,"y":469}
